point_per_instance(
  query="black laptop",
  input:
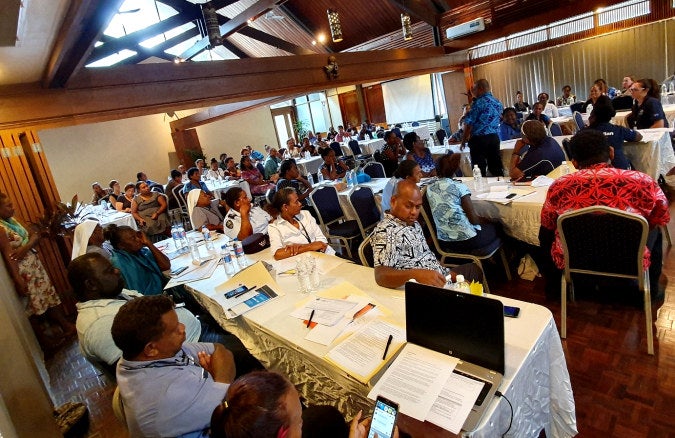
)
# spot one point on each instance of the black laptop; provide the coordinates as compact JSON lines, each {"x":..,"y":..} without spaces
{"x":465,"y":326}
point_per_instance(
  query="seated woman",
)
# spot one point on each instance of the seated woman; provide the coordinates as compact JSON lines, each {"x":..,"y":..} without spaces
{"x":269,"y":404}
{"x":139,"y":261}
{"x":407,"y":169}
{"x":593,"y":94}
{"x":115,"y":192}
{"x":307,"y":147}
{"x":149,"y":210}
{"x":647,"y":111}
{"x":243,"y":219}
{"x":510,"y":126}
{"x":536,"y":153}
{"x":419,"y":153}
{"x":88,"y":237}
{"x":458,"y":226}
{"x":538,"y":114}
{"x":203,"y":211}
{"x":124,"y":200}
{"x":252,"y":175}
{"x":602,"y":113}
{"x":519,"y":105}
{"x":231,"y":171}
{"x":289,"y":176}
{"x":294,"y":231}
{"x":332,"y":168}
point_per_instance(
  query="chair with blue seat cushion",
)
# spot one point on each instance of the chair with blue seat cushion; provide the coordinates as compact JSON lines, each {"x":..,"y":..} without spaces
{"x":332,"y":219}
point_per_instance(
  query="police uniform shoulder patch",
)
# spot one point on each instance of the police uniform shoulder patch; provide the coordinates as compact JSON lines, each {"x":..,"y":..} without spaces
{"x":229,"y":224}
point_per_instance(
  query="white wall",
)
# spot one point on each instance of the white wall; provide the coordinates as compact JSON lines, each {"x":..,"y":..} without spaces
{"x":230,"y":135}
{"x":80,"y":155}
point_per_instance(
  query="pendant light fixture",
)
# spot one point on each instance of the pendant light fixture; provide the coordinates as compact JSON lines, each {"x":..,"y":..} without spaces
{"x":335,"y":27}
{"x":407,"y":29}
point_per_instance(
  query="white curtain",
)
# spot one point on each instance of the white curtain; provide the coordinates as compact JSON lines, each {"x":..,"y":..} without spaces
{"x":408,"y":100}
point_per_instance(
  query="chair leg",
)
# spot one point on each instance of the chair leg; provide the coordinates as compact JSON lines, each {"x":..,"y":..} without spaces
{"x":648,"y":315}
{"x":506,"y":263}
{"x":563,"y":308}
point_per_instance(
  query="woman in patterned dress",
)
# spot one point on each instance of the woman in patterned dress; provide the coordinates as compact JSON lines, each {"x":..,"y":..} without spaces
{"x":149,"y":210}
{"x":30,"y":277}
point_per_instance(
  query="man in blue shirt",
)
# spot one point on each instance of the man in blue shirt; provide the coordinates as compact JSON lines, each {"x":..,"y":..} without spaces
{"x":482,"y":128}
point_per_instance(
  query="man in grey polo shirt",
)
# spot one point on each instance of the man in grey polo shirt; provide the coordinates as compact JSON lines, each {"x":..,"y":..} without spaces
{"x":168,"y":387}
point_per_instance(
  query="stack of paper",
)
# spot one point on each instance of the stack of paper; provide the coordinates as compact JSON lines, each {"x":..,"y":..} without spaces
{"x":262,"y":288}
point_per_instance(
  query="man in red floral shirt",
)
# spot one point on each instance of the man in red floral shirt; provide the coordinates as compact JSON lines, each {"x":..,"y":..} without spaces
{"x":598,"y":183}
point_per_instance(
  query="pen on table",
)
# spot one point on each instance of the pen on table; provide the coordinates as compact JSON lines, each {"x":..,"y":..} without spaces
{"x":244,"y":291}
{"x":309,"y":321}
{"x":386,"y":348}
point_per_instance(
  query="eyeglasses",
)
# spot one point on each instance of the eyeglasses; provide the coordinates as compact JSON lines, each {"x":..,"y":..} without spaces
{"x":633,"y":90}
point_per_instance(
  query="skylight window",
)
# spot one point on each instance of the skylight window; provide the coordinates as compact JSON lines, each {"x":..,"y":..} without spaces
{"x":490,"y":48}
{"x":527,"y":38}
{"x":623,"y":11}
{"x":113,"y":59}
{"x":571,"y":26}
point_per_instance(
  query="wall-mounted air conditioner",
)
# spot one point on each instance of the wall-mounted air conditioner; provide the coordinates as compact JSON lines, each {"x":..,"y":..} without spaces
{"x":463,"y":29}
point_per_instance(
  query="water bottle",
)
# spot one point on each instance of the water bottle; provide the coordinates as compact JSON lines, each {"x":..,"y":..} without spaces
{"x":461,"y":284}
{"x":226,"y":256}
{"x":207,"y":238}
{"x":310,"y":178}
{"x":564,"y":168}
{"x":477,"y":179}
{"x":664,"y":89}
{"x":239,"y":253}
{"x":355,"y":178}
{"x":194,"y":251}
{"x":183,"y":236}
{"x":175,"y":234}
{"x":319,"y":177}
{"x":348,"y":177}
{"x":589,"y":108}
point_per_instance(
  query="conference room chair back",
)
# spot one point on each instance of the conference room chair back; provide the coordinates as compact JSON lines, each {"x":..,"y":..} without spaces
{"x":366,"y":253}
{"x":448,"y":258}
{"x":590,"y":246}
{"x":362,"y":201}
{"x":440,"y":136}
{"x":360,"y":157}
{"x":118,"y":407}
{"x":579,"y":120}
{"x":332,"y":219}
{"x":336,"y":148}
{"x":374,"y":170}
{"x":555,"y":129}
{"x":180,"y":198}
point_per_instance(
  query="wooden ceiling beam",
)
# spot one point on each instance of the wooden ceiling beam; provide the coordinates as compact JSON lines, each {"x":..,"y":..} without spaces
{"x":136,"y":90}
{"x":83,"y":25}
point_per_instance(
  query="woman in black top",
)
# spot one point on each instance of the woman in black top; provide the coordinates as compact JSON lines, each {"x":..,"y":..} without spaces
{"x":647,"y":111}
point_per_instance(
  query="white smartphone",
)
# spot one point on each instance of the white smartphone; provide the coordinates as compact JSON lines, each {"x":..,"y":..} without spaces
{"x":384,"y":418}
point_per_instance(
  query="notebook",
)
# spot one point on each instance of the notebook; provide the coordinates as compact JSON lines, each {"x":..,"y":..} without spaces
{"x":465,"y":326}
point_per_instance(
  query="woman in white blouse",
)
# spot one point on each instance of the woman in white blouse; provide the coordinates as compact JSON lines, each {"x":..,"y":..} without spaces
{"x":294,"y":231}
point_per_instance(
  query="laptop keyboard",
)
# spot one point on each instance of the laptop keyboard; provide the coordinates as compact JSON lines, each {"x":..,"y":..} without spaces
{"x":486,"y":386}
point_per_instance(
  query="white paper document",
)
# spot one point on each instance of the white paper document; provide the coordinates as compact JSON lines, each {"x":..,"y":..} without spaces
{"x":361,"y":354}
{"x":325,"y":335}
{"x":453,"y":405}
{"x":415,"y":380}
{"x":326,"y":311}
{"x":194,"y":273}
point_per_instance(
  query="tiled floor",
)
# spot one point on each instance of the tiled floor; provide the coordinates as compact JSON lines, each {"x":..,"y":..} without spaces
{"x":619,"y":390}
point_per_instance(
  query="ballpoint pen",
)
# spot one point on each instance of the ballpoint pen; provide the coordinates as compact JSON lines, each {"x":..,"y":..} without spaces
{"x":386,"y":348}
{"x":309,"y":321}
{"x":244,"y":291}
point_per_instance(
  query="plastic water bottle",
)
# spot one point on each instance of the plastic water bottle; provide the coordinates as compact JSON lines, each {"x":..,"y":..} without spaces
{"x":207,"y":238}
{"x":348,"y":177}
{"x":477,"y":179}
{"x":355,"y":178}
{"x":564,"y":168}
{"x":664,"y":89}
{"x":589,"y":108}
{"x":239,"y":253}
{"x":226,"y":257}
{"x":177,"y":238}
{"x":461,"y":284}
{"x":183,"y":236}
{"x":310,"y":178}
{"x":194,"y":251}
{"x":319,"y":177}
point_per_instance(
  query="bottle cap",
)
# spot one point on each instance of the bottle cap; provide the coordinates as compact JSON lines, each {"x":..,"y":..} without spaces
{"x":459,"y":278}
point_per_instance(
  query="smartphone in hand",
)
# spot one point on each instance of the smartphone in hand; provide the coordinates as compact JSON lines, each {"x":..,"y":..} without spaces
{"x":384,"y":418}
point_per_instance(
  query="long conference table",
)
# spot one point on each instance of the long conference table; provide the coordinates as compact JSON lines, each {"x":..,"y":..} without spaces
{"x":536,"y":379}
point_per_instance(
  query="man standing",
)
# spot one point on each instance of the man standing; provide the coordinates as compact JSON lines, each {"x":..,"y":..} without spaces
{"x":598,"y":183}
{"x":100,"y":293}
{"x":272,"y":163}
{"x":482,"y":128}
{"x":168,"y":387}
{"x":400,"y":250}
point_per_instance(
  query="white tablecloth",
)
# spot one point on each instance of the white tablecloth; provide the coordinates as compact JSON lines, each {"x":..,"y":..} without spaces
{"x":536,"y":379}
{"x":311,"y":165}
{"x":669,"y":110}
{"x":369,"y":147}
{"x":220,"y":187}
{"x":111,"y":216}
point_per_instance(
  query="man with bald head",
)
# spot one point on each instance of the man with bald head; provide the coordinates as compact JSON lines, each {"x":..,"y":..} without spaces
{"x":481,"y":129}
{"x":400,"y":250}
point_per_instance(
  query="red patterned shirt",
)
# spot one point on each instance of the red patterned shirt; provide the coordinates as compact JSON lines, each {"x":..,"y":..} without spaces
{"x":600,"y":184}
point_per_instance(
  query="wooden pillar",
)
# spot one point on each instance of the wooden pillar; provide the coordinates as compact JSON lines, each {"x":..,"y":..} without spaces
{"x":186,"y":142}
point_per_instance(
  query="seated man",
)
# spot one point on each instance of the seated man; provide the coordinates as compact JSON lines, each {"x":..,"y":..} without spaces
{"x":400,"y":250}
{"x":272,"y":163}
{"x":536,"y":153}
{"x":100,"y":292}
{"x":100,"y":194}
{"x":168,"y":387}
{"x":243,"y":219}
{"x":141,"y":176}
{"x":598,"y":183}
{"x":195,"y":182}
{"x":510,"y":126}
{"x":175,"y":178}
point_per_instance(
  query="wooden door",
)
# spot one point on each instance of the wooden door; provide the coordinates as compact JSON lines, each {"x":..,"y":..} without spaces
{"x":349,"y":106}
{"x":374,"y":101}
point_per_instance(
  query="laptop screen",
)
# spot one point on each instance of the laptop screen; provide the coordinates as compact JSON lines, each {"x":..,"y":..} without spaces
{"x":465,"y":326}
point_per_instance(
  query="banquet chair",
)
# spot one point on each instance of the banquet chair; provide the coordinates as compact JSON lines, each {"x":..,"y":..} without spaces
{"x":555,"y":129}
{"x":358,"y":154}
{"x":374,"y":169}
{"x":332,"y":219}
{"x":362,"y":201}
{"x":487,"y":252}
{"x":590,"y":246}
{"x":440,"y":135}
{"x":579,"y":120}
{"x":366,"y":253}
{"x":118,"y":407}
{"x":180,"y":198}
